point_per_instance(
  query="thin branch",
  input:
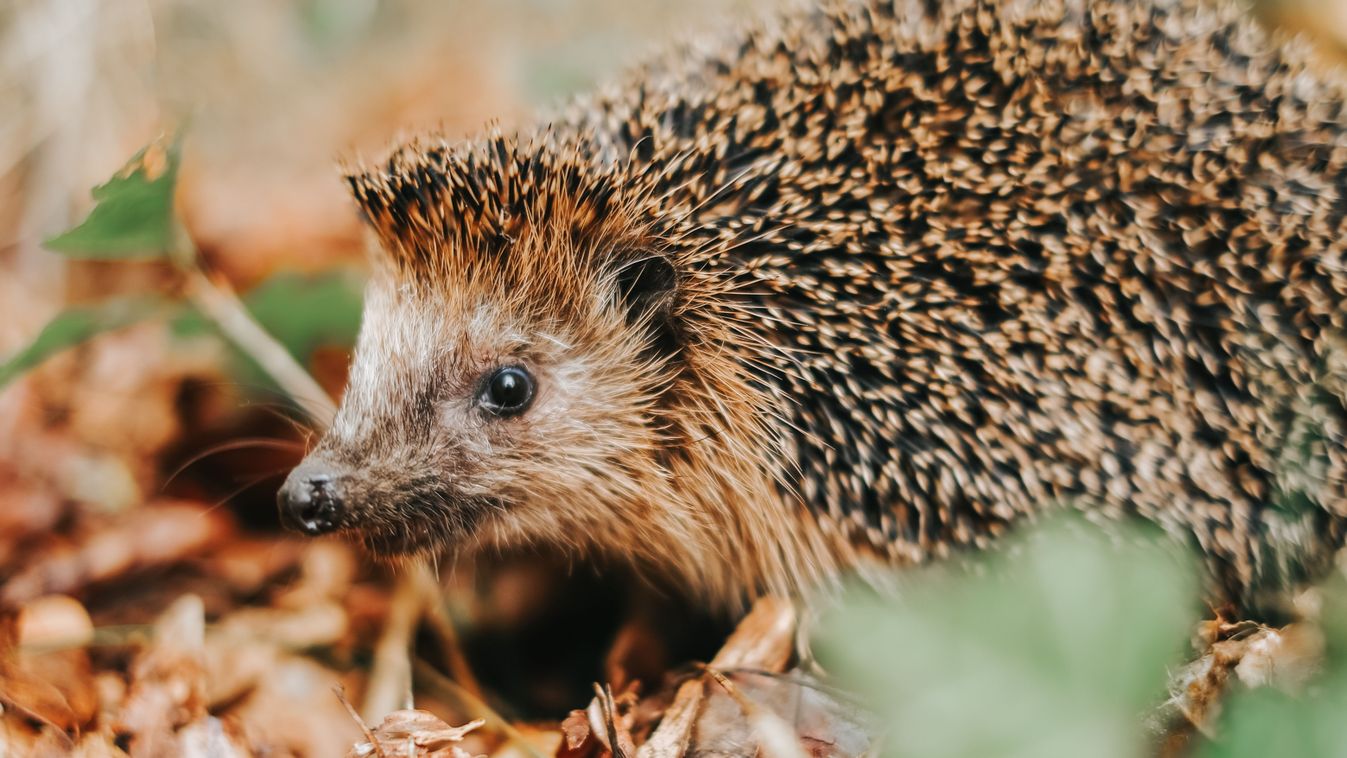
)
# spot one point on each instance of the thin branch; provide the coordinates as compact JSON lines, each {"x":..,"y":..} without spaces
{"x":219,"y":303}
{"x":442,"y":624}
{"x":364,"y":728}
{"x":475,"y":707}
{"x":390,"y":676}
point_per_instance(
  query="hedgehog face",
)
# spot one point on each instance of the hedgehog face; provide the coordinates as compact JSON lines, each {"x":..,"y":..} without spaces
{"x":481,"y":410}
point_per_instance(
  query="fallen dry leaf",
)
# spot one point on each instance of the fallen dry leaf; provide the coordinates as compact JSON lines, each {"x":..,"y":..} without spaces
{"x":54,"y":621}
{"x":326,"y":571}
{"x":577,"y":738}
{"x":209,"y":737}
{"x":27,"y":693}
{"x":780,"y":715}
{"x":26,"y":509}
{"x":36,"y":699}
{"x":162,"y":533}
{"x":1285,"y":658}
{"x":415,"y":734}
{"x":167,"y":689}
{"x":764,"y":640}
{"x":288,"y":707}
{"x":248,"y":564}
{"x":1245,"y":655}
{"x":71,"y":673}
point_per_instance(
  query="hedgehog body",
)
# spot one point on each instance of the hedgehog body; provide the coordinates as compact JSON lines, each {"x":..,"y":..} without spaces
{"x":870,"y":284}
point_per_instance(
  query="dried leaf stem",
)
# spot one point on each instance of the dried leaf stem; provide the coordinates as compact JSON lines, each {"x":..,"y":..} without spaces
{"x":217,"y":301}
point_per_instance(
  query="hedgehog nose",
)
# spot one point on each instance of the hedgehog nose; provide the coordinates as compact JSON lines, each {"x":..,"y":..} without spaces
{"x":310,"y":501}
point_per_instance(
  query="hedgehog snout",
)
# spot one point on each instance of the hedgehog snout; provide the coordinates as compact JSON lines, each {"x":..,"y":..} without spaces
{"x":312,"y":500}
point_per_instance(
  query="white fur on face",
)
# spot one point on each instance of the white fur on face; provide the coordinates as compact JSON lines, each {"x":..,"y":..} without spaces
{"x":410,"y":414}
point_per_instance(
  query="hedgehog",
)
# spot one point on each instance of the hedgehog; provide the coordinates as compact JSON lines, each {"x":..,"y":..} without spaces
{"x":863,"y":285}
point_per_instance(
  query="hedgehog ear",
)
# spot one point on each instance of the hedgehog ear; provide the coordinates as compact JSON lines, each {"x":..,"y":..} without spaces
{"x":645,"y":288}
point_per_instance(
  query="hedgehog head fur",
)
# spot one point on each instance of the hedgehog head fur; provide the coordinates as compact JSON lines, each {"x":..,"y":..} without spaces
{"x":639,"y":434}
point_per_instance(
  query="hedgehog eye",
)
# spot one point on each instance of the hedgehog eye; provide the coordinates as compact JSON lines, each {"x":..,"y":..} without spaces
{"x":507,"y":391}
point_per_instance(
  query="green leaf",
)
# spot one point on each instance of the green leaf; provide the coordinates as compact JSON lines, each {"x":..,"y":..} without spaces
{"x":76,"y":325}
{"x":133,"y":212}
{"x":335,"y":23}
{"x":1268,"y":722}
{"x":1053,"y":646}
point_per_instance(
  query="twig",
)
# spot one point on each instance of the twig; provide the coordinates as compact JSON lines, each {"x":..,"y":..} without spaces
{"x":341,"y":696}
{"x":390,"y":677}
{"x":474,"y":705}
{"x":219,"y":303}
{"x":603,"y":696}
{"x":437,"y":614}
{"x":670,"y":739}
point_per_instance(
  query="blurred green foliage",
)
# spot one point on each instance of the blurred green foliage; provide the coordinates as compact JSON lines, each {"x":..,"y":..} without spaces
{"x":1051,"y":646}
{"x":133,"y":212}
{"x":76,"y":325}
{"x":133,"y":219}
{"x":1059,"y":643}
{"x":1268,"y":722}
{"x":334,"y":23}
{"x":308,"y":311}
{"x":303,"y":312}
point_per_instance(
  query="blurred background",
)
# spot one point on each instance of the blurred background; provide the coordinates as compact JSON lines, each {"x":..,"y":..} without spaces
{"x":141,"y":466}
